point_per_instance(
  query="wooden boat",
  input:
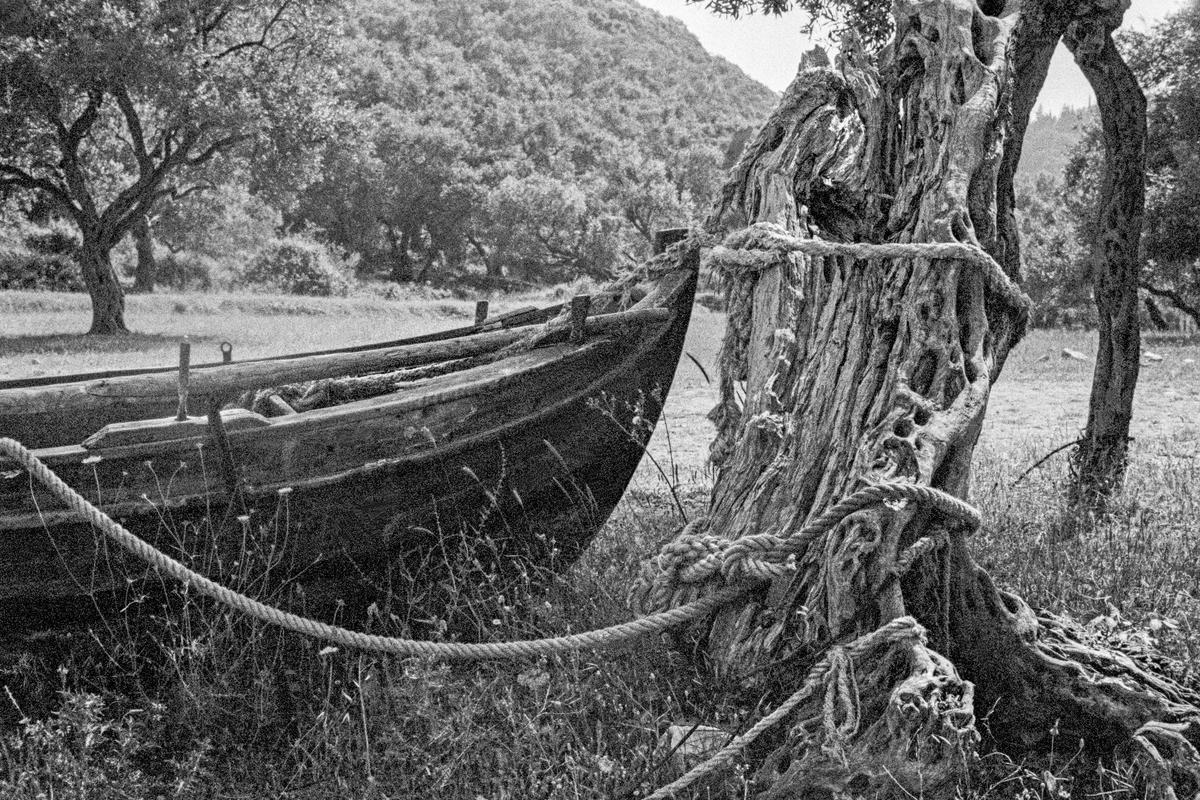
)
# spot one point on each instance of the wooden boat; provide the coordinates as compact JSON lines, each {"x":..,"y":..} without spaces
{"x":520,"y":429}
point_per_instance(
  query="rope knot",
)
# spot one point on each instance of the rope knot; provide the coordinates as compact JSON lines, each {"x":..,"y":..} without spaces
{"x":684,"y":565}
{"x":762,"y":556}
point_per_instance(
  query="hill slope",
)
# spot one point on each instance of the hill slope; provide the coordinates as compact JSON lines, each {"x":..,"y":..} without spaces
{"x":539,"y":138}
{"x":1050,"y":138}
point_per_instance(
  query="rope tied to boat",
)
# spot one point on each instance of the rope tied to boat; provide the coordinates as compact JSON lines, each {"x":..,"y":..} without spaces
{"x":742,"y":563}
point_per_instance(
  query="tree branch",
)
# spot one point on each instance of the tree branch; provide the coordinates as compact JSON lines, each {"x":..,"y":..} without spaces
{"x":261,"y":41}
{"x":1176,"y":299}
{"x":22,"y":179}
{"x":134,"y":124}
{"x":216,"y":147}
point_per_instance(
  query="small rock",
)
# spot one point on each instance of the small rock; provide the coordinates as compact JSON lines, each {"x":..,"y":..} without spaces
{"x":35,"y":361}
{"x":689,"y":746}
{"x":1074,"y":355}
{"x":1152,"y":357}
{"x":1189,"y":362}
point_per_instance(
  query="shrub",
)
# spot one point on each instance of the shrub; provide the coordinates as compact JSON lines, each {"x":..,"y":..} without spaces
{"x":298,"y":265}
{"x":39,"y":271}
{"x":57,"y":238}
{"x":186,"y":270}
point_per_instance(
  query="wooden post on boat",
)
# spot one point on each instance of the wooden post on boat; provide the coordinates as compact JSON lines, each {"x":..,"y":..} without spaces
{"x":185,"y":359}
{"x":580,"y":304}
{"x":481,"y":312}
{"x":668,"y":236}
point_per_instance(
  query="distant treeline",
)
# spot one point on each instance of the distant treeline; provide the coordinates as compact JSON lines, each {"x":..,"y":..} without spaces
{"x":510,"y":140}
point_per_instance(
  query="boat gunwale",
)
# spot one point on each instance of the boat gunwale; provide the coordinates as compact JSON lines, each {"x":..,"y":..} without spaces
{"x":71,"y":453}
{"x":305,"y":422}
{"x":524,"y":318}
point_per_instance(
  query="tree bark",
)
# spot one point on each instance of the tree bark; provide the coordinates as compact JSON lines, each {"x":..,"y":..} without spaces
{"x":1099,"y":460}
{"x":1176,"y":299}
{"x":108,"y":298}
{"x":839,"y":372}
{"x":147,"y":268}
{"x":402,"y":271}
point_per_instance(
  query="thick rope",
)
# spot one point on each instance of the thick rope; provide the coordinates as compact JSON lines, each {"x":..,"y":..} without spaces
{"x":693,"y":558}
{"x":735,"y":562}
{"x":760,"y":247}
{"x":458,"y":651}
{"x":832,"y":665}
{"x":836,"y":664}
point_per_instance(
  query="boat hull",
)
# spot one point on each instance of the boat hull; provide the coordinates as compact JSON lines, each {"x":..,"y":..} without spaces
{"x":520,"y":461}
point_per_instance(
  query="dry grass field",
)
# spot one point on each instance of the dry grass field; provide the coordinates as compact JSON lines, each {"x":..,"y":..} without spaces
{"x":204,"y":704}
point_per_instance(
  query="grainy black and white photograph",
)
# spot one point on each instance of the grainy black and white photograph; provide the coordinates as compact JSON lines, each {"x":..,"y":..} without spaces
{"x":588,"y":399}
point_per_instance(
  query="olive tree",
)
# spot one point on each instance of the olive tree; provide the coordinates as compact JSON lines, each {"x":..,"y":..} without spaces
{"x":846,"y":368}
{"x":105,"y":108}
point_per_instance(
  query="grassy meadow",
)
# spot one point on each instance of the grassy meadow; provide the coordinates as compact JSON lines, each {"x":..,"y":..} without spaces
{"x":202,"y":703}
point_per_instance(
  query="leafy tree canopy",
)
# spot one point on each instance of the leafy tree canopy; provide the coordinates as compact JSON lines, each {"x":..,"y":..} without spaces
{"x":107,"y":107}
{"x":1166,"y":60}
{"x":871,"y":20}
{"x":473,"y":120}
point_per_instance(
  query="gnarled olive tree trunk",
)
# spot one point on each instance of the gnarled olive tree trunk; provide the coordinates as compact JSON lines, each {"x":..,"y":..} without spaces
{"x":841,"y":371}
{"x":1099,"y":461}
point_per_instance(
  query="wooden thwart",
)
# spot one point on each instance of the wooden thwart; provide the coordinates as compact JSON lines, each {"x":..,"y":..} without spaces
{"x":144,"y":431}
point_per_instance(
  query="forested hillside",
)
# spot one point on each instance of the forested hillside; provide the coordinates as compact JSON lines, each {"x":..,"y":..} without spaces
{"x":521,"y":140}
{"x":1051,"y":138}
{"x":538,"y":139}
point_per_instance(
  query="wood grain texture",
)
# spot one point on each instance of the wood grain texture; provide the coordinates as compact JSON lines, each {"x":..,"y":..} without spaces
{"x":521,"y":449}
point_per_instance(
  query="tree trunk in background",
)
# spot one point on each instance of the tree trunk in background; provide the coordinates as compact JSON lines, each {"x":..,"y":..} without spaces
{"x":401,"y":261}
{"x":146,"y":271}
{"x":1099,"y":460}
{"x":840,"y":372}
{"x":108,"y":298}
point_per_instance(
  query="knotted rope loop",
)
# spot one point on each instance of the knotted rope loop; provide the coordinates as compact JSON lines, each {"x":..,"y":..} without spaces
{"x":676,"y":575}
{"x":959,"y":512}
{"x":692,"y":558}
{"x":760,"y":556}
{"x":765,"y":244}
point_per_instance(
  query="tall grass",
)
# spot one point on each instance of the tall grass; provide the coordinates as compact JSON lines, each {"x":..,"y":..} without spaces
{"x":189,"y":700}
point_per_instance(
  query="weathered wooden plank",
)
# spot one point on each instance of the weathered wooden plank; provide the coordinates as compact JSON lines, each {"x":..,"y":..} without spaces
{"x":64,"y":413}
{"x":371,"y":479}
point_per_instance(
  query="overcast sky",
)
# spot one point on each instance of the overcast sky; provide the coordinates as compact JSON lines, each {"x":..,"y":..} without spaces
{"x":768,"y":48}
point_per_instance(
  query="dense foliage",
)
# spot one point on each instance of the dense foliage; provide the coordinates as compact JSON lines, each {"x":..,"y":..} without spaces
{"x":531,"y":141}
{"x":1167,"y":61}
{"x":1054,"y":267}
{"x":537,"y":140}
